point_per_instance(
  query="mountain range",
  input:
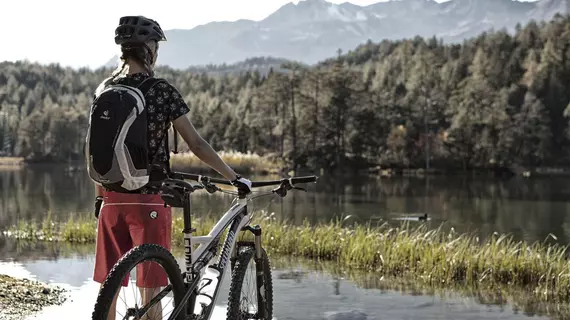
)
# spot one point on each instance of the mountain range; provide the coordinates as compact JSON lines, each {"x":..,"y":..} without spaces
{"x":313,"y":30}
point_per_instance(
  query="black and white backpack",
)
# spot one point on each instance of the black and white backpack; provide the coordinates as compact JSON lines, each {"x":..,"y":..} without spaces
{"x":116,"y":149}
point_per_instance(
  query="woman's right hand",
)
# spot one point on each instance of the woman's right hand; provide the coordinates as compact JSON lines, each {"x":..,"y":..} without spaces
{"x":242,"y":184}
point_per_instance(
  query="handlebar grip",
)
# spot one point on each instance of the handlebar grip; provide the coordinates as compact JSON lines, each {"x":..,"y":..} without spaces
{"x":197,"y":177}
{"x":306,"y":179}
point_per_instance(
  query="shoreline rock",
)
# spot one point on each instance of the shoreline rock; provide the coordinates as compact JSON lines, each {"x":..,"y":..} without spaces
{"x":21,"y":297}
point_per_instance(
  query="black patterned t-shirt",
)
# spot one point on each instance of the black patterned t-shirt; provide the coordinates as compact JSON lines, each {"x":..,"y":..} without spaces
{"x":164,"y":104}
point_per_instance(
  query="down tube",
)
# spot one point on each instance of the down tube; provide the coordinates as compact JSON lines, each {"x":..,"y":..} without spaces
{"x":240,"y":220}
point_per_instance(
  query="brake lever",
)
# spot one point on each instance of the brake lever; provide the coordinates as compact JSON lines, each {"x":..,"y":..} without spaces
{"x":211,"y":188}
{"x":280,"y":191}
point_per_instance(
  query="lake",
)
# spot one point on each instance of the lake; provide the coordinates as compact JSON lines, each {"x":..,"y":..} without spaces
{"x":303,"y":290}
{"x":530,"y":209}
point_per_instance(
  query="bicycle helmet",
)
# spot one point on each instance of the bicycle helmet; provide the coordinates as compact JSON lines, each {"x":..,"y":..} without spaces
{"x":137,"y":30}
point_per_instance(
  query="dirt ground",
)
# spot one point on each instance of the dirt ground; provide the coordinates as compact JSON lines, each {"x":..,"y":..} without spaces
{"x":21,"y":297}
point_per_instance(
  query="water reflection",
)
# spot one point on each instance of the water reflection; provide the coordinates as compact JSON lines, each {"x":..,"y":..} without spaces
{"x":303,"y":290}
{"x":530,"y":209}
{"x":504,"y":299}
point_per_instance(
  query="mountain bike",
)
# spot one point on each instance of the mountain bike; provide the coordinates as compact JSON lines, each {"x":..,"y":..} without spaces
{"x":193,"y":292}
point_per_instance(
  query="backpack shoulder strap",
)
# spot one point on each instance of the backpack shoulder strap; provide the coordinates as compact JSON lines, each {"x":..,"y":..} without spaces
{"x":104,"y":84}
{"x":148,"y":83}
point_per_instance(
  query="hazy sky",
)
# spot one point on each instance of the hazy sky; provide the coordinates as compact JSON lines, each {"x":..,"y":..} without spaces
{"x":80,"y":32}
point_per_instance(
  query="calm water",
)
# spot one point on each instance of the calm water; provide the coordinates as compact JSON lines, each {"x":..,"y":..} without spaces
{"x":530,"y":209}
{"x":302,"y":290}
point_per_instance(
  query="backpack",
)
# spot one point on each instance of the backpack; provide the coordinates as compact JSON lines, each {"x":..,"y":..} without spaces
{"x":116,"y":149}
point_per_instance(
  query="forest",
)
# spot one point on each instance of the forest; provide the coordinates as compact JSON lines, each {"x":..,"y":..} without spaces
{"x":498,"y":100}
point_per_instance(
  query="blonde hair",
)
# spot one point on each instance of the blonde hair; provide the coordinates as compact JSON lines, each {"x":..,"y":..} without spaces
{"x":142,"y":54}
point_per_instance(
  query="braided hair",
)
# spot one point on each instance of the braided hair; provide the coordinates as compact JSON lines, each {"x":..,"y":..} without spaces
{"x":142,"y":54}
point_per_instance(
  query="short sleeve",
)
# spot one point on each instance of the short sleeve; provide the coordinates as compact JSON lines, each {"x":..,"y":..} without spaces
{"x":177,"y":107}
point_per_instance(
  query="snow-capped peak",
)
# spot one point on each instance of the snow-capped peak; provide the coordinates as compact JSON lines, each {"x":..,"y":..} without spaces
{"x":318,"y":11}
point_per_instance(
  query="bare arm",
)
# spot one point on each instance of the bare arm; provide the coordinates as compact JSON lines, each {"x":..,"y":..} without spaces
{"x":202,"y":148}
{"x":98,"y":190}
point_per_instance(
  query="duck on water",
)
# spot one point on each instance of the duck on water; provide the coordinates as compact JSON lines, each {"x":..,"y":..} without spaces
{"x":421,"y":217}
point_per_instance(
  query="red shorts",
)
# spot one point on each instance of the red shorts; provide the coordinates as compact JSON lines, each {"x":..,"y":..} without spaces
{"x":128,"y":220}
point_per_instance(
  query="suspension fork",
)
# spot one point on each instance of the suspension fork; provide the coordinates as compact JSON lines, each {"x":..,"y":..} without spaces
{"x":259,"y":267}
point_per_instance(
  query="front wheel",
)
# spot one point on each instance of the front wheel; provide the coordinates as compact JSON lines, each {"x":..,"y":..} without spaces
{"x":258,"y":295}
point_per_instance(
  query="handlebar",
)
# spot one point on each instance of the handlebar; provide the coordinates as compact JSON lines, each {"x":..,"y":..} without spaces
{"x":254,"y":184}
{"x":205,"y":182}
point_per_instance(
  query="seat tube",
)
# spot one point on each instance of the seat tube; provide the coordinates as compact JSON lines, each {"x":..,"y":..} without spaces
{"x":187,"y":212}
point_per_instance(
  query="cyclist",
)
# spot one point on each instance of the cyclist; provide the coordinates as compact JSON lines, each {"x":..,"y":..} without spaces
{"x":126,"y":220}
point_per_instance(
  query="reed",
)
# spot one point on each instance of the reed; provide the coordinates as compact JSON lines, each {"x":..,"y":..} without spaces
{"x":298,"y":268}
{"x":430,"y":257}
{"x":10,"y":163}
{"x":241,"y":162}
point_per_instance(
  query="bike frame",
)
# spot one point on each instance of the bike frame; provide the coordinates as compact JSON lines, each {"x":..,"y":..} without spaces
{"x":236,"y":218}
{"x":236,"y":213}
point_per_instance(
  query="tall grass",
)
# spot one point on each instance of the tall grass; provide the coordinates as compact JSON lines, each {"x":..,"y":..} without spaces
{"x":81,"y":228}
{"x":241,"y":162}
{"x":11,"y":163}
{"x":298,"y":268}
{"x":431,"y":257}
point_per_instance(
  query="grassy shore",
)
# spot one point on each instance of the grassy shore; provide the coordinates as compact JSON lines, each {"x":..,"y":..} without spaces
{"x":430,"y":257}
{"x":297,"y":269}
{"x":241,"y":162}
{"x":10,"y":163}
{"x":186,"y":161}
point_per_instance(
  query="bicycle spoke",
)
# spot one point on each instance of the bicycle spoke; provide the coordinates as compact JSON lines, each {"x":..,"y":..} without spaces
{"x":168,"y":304}
{"x":249,"y":297}
{"x":134,"y":291}
{"x":122,"y":289}
{"x":144,"y":292}
{"x":140,"y":306}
